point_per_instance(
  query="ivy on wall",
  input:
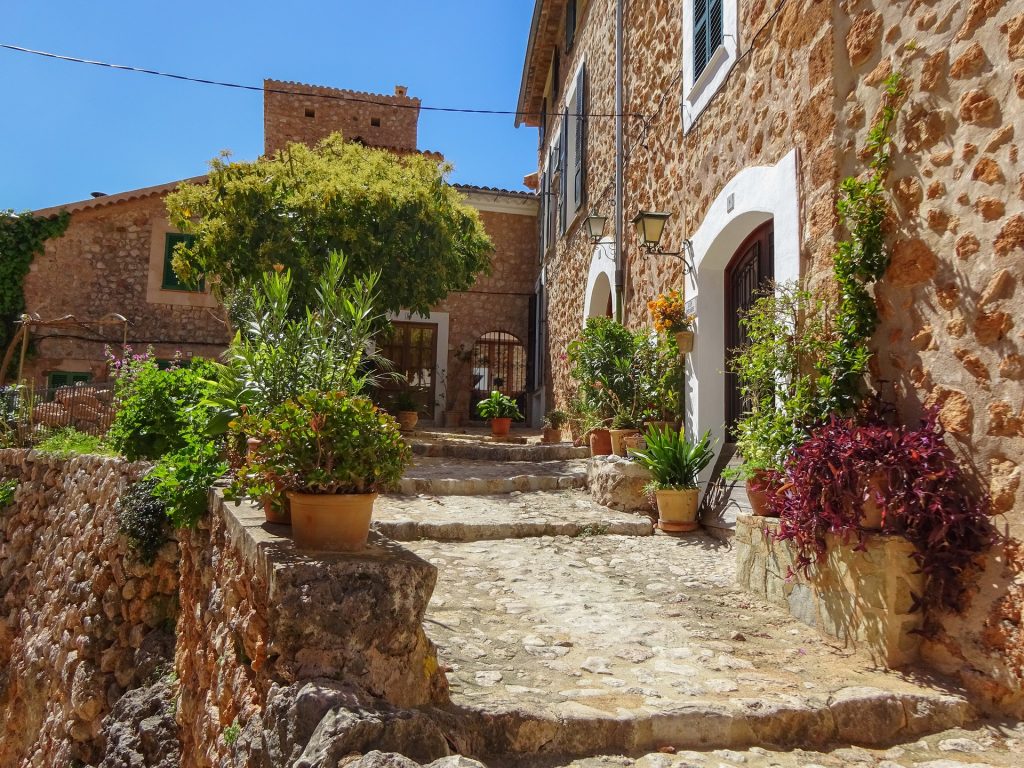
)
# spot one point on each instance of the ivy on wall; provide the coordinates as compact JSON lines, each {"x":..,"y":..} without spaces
{"x":860,"y":261}
{"x":22,"y":236}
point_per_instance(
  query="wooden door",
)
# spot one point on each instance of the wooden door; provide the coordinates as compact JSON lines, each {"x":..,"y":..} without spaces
{"x":749,"y":272}
{"x":412,"y":348}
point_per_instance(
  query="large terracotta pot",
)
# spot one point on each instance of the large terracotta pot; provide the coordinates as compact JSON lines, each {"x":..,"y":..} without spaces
{"x":407,"y":420}
{"x":684,"y":340}
{"x":677,"y":510}
{"x":331,"y":522}
{"x":600,"y":442}
{"x":500,"y":426}
{"x":618,"y":440}
{"x":758,"y":488}
{"x":551,"y":435}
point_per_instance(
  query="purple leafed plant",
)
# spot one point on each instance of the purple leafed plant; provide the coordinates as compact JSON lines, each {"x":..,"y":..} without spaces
{"x":914,"y":479}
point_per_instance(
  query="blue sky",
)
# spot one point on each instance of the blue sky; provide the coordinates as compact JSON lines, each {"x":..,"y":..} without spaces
{"x":71,"y":129}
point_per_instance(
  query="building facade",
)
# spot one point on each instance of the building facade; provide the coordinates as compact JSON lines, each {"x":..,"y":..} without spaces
{"x":108,"y":278}
{"x":740,"y":118}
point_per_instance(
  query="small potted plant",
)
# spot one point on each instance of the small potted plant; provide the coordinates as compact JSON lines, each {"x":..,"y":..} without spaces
{"x":675,"y":462}
{"x":553,"y":423}
{"x":406,"y":412}
{"x":668,"y":312}
{"x":623,"y":426}
{"x":332,"y":454}
{"x":500,"y":409}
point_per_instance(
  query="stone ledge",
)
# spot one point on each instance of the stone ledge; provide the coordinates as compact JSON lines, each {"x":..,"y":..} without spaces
{"x":860,"y":598}
{"x":619,"y":483}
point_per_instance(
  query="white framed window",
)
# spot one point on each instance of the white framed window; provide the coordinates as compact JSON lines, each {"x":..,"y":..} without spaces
{"x":710,"y":35}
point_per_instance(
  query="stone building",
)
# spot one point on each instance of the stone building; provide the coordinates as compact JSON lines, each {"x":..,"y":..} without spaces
{"x":114,"y":260}
{"x":740,"y":118}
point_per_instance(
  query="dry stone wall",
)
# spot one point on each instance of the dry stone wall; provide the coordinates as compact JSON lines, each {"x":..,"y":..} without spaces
{"x":82,"y":621}
{"x":951,"y":302}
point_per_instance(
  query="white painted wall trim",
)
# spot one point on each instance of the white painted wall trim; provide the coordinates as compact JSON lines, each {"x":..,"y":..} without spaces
{"x":440,"y":319}
{"x":602,"y":262}
{"x":755,"y":195}
{"x":697,"y":93}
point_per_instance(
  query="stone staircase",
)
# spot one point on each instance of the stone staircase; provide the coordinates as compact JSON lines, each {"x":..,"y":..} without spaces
{"x":568,"y":629}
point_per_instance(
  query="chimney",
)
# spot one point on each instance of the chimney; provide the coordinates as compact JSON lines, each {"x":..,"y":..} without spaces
{"x":401,"y":90}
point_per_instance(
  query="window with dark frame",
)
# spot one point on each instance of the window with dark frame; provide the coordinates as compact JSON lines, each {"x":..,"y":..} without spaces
{"x":708,"y":24}
{"x":170,"y":280}
{"x":570,"y":24}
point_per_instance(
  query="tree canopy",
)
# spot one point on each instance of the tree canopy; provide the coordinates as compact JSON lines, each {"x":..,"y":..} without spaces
{"x":385,"y":212}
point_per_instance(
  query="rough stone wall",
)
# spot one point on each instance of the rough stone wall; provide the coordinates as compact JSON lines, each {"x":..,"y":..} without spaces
{"x":951,"y":302}
{"x":302,"y":114}
{"x":259,"y":621}
{"x":496,"y":302}
{"x":778,"y":97}
{"x":101,"y":265}
{"x":81,"y":620}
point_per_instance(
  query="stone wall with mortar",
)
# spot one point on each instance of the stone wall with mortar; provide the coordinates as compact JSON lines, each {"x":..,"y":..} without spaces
{"x":297,"y":112}
{"x":499,"y":301}
{"x":262,"y":622}
{"x":862,"y":599}
{"x":102,"y":265}
{"x":82,"y":621}
{"x":779,"y":96}
{"x":951,"y":302}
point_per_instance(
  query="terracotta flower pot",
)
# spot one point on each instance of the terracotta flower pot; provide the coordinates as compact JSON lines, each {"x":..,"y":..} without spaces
{"x":684,"y":340}
{"x":407,"y":420}
{"x":600,"y":442}
{"x":277,"y":508}
{"x":634,"y":443}
{"x":331,"y":522}
{"x":500,"y":426}
{"x":551,"y":435}
{"x":618,"y":436}
{"x":758,"y":489}
{"x":677,"y":510}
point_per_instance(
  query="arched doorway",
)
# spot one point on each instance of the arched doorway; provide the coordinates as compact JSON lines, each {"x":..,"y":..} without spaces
{"x":600,"y":301}
{"x":499,"y":362}
{"x":748,"y":274}
{"x":599,"y":298}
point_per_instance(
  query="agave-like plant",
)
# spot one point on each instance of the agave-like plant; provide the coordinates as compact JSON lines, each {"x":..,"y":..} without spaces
{"x":674,"y":461}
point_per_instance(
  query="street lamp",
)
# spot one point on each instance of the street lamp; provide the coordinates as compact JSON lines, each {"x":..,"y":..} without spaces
{"x":650,"y":226}
{"x":595,"y":226}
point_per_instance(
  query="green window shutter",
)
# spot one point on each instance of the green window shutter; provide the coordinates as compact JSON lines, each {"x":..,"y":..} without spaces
{"x":171,"y":281}
{"x":563,"y":174}
{"x":58,"y":379}
{"x":708,"y":23}
{"x":570,"y":24}
{"x":579,"y":172}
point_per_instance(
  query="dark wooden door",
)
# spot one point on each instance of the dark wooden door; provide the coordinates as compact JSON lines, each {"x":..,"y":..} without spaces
{"x":412,"y":348}
{"x":749,"y":273}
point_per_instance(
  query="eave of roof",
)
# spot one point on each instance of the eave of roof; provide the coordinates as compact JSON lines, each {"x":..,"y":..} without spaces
{"x":547,"y":17}
{"x":495,"y":191}
{"x":117,"y":197}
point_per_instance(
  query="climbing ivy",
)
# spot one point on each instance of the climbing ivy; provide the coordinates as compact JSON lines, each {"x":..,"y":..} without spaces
{"x":22,"y":236}
{"x":859,"y":261}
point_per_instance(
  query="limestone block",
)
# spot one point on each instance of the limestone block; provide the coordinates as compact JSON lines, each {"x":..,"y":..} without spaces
{"x":619,"y":483}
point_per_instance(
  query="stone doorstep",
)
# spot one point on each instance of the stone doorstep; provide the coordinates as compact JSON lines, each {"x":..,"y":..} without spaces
{"x":475,"y":486}
{"x":459,"y":531}
{"x":465,"y":449}
{"x":868,"y":717}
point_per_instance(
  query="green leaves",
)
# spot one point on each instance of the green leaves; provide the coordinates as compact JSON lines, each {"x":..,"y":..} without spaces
{"x":672,"y":460}
{"x":22,"y":237}
{"x":389,"y":214}
{"x":498,"y":406}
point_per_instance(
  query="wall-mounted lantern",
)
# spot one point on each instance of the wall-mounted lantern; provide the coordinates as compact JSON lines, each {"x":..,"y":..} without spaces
{"x":650,"y":226}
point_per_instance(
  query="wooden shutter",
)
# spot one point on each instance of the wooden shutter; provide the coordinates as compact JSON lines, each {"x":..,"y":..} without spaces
{"x":543,"y":121}
{"x":715,"y":24}
{"x":542,"y":224}
{"x":553,"y":180}
{"x":170,"y":280}
{"x":563,"y":173}
{"x":570,"y":24}
{"x":579,"y":172}
{"x":531,"y":353}
{"x":700,"y":37}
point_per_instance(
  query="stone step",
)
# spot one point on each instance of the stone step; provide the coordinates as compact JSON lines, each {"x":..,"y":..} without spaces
{"x":513,"y":516}
{"x":461,"y":477}
{"x":479,"y":451}
{"x":619,"y":644}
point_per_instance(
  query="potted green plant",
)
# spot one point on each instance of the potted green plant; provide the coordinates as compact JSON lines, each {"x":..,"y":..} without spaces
{"x":624,"y":425}
{"x":405,"y":411}
{"x":553,"y":422}
{"x":500,"y":409}
{"x":332,"y":453}
{"x":675,"y":462}
{"x":668,"y":312}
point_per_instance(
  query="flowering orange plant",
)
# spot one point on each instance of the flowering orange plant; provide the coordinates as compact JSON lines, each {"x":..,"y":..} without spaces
{"x":669,"y":313}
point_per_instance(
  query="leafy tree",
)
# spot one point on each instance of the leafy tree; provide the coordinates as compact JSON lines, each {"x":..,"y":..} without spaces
{"x":388,"y":213}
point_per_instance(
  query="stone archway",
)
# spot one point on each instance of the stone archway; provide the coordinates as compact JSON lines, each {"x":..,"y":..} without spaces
{"x":599,"y":300}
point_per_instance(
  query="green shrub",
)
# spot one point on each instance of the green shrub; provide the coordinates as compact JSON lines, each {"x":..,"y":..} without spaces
{"x":70,"y":442}
{"x":7,"y":489}
{"x":142,"y":519}
{"x":184,"y":478}
{"x":159,"y":410}
{"x":323,"y":442}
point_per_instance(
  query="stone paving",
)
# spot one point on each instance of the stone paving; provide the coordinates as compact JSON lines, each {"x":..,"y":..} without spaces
{"x":445,"y":476}
{"x":512,"y":516}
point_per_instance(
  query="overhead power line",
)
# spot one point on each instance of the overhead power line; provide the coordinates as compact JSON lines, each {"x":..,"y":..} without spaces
{"x":292,"y":92}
